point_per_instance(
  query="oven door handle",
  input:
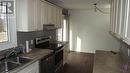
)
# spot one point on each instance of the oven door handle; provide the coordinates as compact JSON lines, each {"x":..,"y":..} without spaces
{"x":59,"y":50}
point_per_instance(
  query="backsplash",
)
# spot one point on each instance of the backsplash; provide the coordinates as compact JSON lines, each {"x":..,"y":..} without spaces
{"x":22,"y":37}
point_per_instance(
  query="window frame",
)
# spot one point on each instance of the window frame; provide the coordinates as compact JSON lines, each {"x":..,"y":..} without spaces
{"x":12,"y":34}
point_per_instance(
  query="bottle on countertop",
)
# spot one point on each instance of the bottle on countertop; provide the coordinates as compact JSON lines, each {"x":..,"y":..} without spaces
{"x":28,"y":49}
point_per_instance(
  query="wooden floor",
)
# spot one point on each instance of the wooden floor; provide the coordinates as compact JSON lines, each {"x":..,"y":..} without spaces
{"x":79,"y":63}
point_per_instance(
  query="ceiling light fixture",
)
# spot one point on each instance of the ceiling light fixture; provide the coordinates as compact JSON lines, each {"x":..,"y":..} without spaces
{"x":96,"y":8}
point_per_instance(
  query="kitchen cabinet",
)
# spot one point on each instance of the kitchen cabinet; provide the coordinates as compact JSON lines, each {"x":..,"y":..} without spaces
{"x":59,"y":17}
{"x":32,"y":14}
{"x":33,"y":68}
{"x":39,"y":26}
{"x":65,"y":53}
{"x":28,"y":14}
{"x":51,"y":14}
{"x":44,"y":18}
{"x":54,"y":14}
{"x":47,"y":65}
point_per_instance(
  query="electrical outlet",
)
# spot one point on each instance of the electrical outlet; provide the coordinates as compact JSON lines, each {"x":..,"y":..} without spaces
{"x":128,"y":52}
{"x":31,"y":42}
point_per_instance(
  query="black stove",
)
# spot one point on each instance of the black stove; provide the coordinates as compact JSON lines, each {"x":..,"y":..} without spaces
{"x":44,"y":43}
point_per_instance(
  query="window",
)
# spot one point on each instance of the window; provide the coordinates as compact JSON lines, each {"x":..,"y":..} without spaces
{"x":3,"y":23}
{"x":7,"y":24}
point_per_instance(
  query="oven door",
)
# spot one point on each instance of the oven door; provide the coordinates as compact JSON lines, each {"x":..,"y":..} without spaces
{"x":58,"y":59}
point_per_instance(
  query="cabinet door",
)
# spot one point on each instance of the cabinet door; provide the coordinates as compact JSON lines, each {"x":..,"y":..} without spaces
{"x":28,"y":18}
{"x":34,"y":15}
{"x":31,"y":15}
{"x":54,"y":15}
{"x":33,"y":68}
{"x":59,"y":17}
{"x":49,"y":14}
{"x":38,"y":15}
{"x":43,"y":13}
{"x":22,"y":15}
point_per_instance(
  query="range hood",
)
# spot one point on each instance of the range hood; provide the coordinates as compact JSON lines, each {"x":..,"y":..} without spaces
{"x":49,"y":27}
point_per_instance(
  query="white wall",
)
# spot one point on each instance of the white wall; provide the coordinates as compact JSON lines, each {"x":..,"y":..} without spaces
{"x":89,"y":31}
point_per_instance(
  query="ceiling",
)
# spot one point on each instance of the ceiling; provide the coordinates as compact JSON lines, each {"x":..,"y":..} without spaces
{"x":82,"y":4}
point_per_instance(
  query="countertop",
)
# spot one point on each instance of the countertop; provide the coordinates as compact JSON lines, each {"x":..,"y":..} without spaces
{"x":107,"y":62}
{"x":35,"y":55}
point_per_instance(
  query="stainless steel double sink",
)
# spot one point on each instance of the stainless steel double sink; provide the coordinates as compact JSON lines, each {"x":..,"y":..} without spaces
{"x":11,"y":64}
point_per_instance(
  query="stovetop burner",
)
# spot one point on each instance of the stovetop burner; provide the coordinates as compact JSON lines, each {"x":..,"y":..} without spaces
{"x":52,"y":46}
{"x":55,"y":46}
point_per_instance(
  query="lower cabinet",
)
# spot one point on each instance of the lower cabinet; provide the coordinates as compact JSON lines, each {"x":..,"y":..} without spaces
{"x":33,"y":68}
{"x":47,"y":65}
